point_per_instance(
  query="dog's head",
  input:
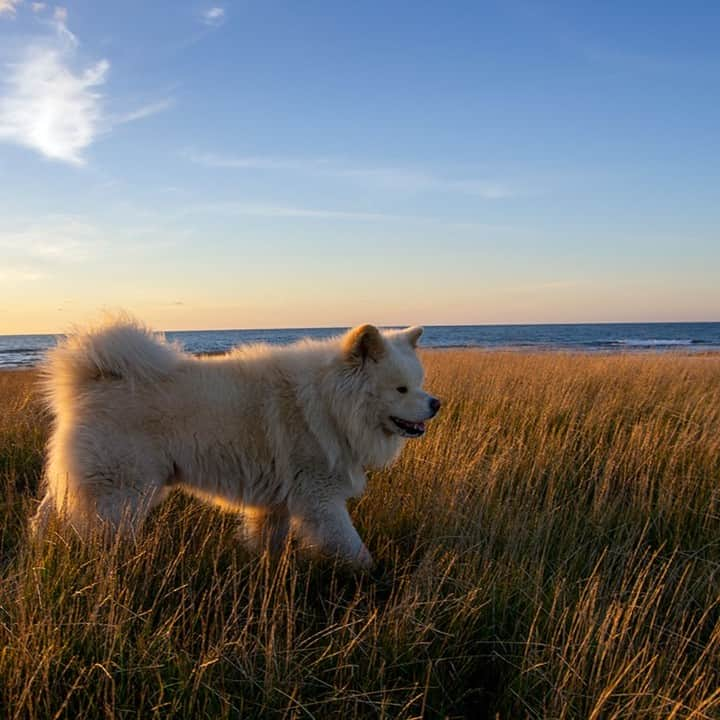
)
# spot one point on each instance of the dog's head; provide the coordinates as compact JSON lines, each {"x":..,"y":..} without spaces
{"x":395,"y":403}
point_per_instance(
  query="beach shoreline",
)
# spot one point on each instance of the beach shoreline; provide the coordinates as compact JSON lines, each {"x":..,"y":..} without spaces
{"x":509,"y":350}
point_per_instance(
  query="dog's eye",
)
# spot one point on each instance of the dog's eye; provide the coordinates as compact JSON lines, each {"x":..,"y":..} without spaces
{"x":402,"y":389}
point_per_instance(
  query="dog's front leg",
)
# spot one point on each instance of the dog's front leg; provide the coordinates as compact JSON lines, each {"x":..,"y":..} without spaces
{"x":326,"y":529}
{"x":264,"y":528}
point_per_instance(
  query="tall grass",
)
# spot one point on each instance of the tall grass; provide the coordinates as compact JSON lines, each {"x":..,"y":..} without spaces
{"x":551,"y":549}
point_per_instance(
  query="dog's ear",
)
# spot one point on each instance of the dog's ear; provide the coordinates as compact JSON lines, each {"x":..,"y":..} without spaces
{"x":363,"y":343}
{"x":413,"y":335}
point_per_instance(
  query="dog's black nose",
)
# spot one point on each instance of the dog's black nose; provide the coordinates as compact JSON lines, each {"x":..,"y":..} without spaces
{"x":434,"y":405}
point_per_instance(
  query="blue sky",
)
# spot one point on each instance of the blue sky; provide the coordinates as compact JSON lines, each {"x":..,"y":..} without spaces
{"x":243,"y":164}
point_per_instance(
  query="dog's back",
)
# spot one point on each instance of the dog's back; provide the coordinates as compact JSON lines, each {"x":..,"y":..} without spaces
{"x":119,"y":349}
{"x":135,"y":417}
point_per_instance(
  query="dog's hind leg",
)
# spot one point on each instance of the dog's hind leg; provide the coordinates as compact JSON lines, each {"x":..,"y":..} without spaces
{"x":122,"y":510}
{"x":105,"y":503}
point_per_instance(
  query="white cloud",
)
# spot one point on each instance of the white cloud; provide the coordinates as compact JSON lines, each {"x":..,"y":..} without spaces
{"x":38,"y":7}
{"x":214,"y":16}
{"x":51,"y":103}
{"x":9,"y":7}
{"x":392,"y":178}
{"x":51,"y":108}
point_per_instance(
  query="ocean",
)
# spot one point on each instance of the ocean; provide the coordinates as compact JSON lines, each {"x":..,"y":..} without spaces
{"x":27,"y":350}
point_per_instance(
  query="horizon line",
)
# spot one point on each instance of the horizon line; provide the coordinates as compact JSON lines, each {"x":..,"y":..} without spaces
{"x":403,"y":325}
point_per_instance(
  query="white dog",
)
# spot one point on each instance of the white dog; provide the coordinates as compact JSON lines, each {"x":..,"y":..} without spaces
{"x":281,"y":435}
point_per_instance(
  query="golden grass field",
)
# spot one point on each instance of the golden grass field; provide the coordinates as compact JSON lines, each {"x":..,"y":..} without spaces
{"x":550,"y":549}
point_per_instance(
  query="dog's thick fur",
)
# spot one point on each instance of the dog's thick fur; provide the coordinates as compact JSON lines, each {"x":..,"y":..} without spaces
{"x":281,"y":435}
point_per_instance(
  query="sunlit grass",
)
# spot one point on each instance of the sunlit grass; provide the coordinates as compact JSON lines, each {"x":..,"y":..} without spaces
{"x":551,"y":549}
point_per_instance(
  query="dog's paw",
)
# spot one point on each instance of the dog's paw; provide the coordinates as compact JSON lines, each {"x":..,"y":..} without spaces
{"x":364,"y":559}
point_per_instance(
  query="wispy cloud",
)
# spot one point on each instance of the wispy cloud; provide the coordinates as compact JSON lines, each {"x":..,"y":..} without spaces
{"x":17,"y":275}
{"x":9,"y":7}
{"x":632,"y":61}
{"x":35,"y":250}
{"x":51,"y":103}
{"x":214,"y":16}
{"x":215,"y":160}
{"x":421,"y":181}
{"x":551,"y":286}
{"x":38,"y":7}
{"x":56,"y":239}
{"x":393,"y":178}
{"x":312,"y":214}
{"x":279,"y":211}
{"x":145,"y":111}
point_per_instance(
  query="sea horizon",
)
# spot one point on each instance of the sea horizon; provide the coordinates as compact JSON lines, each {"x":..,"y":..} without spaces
{"x":26,"y":350}
{"x":398,"y":325}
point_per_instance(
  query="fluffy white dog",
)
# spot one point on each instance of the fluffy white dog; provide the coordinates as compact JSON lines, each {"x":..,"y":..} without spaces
{"x":281,"y":435}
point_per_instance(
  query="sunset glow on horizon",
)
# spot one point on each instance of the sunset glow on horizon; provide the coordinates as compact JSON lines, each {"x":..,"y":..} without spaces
{"x":324,"y":166}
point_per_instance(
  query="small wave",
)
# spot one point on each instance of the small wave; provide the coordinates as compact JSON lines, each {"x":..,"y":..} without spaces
{"x":20,"y":351}
{"x":648,"y":343}
{"x":448,"y":345}
{"x":654,"y":343}
{"x":22,"y":362}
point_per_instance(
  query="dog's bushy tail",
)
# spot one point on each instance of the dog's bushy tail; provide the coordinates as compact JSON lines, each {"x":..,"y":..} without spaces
{"x":118,"y":348}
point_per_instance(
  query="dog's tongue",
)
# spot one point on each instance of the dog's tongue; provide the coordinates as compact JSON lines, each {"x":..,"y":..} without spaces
{"x":410,"y":426}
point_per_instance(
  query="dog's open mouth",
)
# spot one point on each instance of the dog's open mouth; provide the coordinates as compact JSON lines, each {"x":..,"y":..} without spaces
{"x":407,"y":428}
